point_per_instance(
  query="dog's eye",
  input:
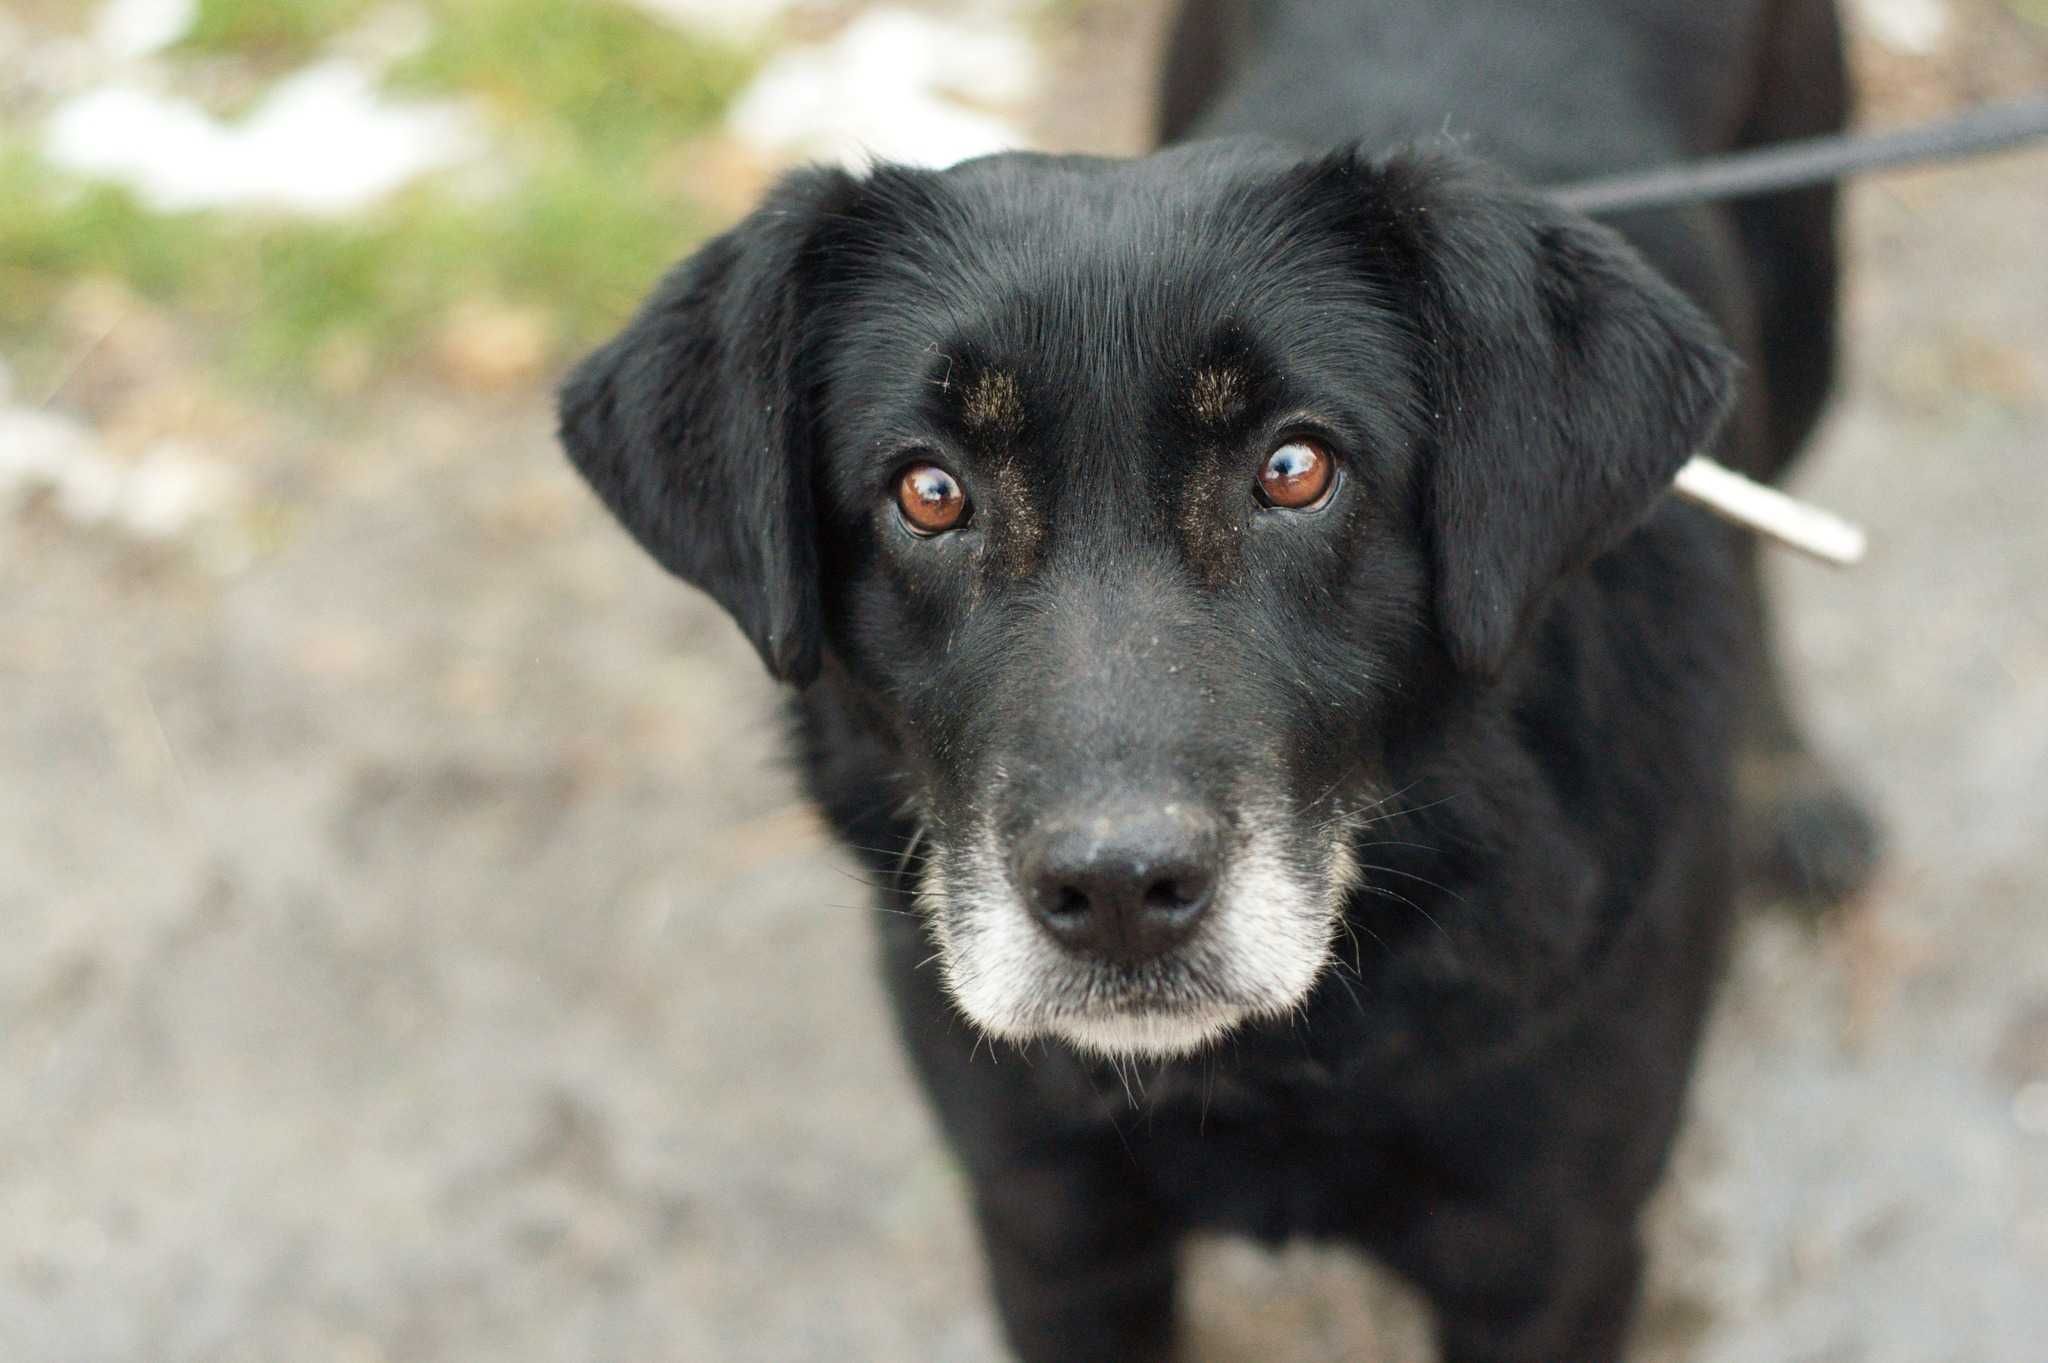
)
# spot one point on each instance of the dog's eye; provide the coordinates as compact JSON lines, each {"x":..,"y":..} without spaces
{"x":931,"y":499}
{"x":1297,"y":477}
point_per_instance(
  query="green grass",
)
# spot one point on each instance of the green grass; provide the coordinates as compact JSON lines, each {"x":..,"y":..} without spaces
{"x":50,"y":229}
{"x":578,"y":242}
{"x":580,"y":246}
{"x":607,"y":75}
{"x":585,"y":97}
{"x":597,"y":67}
{"x":269,"y":31}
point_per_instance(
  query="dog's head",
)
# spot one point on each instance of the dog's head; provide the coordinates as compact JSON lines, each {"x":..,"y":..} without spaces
{"x":1134,"y":503}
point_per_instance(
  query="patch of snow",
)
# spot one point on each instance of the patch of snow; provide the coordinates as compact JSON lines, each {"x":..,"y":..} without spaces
{"x":891,"y":86}
{"x":1915,"y":27}
{"x":173,"y":489}
{"x":45,"y":452}
{"x":322,"y":141}
{"x":167,"y":493}
{"x":129,"y":29}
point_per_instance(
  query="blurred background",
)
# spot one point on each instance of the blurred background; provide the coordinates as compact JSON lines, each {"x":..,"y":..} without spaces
{"x":410,"y":945}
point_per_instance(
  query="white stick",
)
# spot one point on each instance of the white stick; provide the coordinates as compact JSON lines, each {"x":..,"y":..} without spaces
{"x":1768,"y":511}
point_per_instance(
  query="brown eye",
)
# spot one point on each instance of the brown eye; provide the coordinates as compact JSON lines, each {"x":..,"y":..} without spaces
{"x":931,"y":499}
{"x":1297,"y":477}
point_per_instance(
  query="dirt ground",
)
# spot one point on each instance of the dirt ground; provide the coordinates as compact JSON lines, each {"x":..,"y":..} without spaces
{"x":415,"y":951}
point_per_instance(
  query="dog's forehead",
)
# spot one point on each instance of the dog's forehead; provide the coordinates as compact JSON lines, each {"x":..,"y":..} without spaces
{"x":1069,"y":286}
{"x":1170,"y":240}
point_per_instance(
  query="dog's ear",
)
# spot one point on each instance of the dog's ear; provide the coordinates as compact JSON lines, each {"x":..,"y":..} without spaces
{"x":690,"y":423}
{"x":1569,"y":383}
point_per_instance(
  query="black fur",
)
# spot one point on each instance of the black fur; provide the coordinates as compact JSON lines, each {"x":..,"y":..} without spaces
{"x":691,"y":425}
{"x":1500,"y":668}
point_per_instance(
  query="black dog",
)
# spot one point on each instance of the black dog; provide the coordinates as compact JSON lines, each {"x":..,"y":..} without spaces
{"x":1238,"y":586}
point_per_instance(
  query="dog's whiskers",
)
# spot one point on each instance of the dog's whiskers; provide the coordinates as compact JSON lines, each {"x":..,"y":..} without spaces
{"x":1396,"y":842}
{"x":1410,"y":875}
{"x":869,"y":908}
{"x":1116,"y":1065}
{"x":910,"y":849}
{"x":1337,"y":978}
{"x":1386,"y":893}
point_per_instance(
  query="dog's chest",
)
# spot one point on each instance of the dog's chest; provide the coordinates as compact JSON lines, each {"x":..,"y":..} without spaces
{"x":1276,"y":1162}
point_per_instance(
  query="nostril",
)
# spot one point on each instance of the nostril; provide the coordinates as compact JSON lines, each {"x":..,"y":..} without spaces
{"x":1175,"y":895}
{"x":1069,"y":904}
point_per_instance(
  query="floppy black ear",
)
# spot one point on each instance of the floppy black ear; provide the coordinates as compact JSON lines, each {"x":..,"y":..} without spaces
{"x":1570,"y":382}
{"x":690,"y":423}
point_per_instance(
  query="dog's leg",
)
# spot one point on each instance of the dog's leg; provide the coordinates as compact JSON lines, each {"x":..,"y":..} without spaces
{"x":1806,"y":836}
{"x":1514,"y":1206}
{"x":1767,"y":270}
{"x":1522,"y":1272}
{"x":1082,"y":1264}
{"x":1588,"y":1322}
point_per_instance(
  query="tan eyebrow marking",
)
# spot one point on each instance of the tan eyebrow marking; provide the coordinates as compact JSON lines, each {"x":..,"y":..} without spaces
{"x":1022,"y":529}
{"x":1218,"y":395}
{"x":1209,"y":532}
{"x":994,"y":404}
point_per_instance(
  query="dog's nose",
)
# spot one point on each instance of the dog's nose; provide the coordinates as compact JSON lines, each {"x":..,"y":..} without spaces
{"x":1123,"y":887}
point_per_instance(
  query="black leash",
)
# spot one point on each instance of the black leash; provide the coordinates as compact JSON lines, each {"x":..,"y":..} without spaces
{"x":1793,"y":165}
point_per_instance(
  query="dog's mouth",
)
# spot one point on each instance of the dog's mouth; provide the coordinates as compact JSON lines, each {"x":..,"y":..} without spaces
{"x":1177,"y":1008}
{"x":1137,"y":1028}
{"x":1259,"y":949}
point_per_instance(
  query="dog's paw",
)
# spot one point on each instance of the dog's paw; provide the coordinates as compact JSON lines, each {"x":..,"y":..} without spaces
{"x":1808,"y":840}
